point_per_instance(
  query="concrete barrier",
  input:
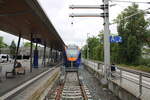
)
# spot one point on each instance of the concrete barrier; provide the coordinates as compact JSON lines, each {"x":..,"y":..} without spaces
{"x":122,"y":93}
{"x":98,"y":75}
{"x":42,"y":89}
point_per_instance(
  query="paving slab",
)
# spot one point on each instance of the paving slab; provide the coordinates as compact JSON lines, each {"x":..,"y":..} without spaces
{"x":11,"y":83}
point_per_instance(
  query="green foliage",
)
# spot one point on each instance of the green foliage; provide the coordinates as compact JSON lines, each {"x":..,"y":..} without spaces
{"x":99,"y":53}
{"x":92,"y":42}
{"x":114,"y":53}
{"x":95,"y":48}
{"x":147,"y":40}
{"x":2,"y":44}
{"x":140,"y":67}
{"x":146,"y":50}
{"x":12,"y":48}
{"x":101,"y":37}
{"x":145,"y":61}
{"x":84,"y":51}
{"x":28,"y":44}
{"x":134,"y":33}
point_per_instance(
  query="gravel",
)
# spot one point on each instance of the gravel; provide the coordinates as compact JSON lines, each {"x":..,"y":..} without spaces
{"x":97,"y":90}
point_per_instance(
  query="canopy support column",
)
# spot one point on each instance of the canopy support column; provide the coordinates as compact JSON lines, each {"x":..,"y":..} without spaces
{"x":52,"y":59}
{"x":31,"y":52}
{"x":56,"y":58}
{"x":44,"y":57}
{"x":36,"y":57}
{"x":49,"y":57}
{"x":16,"y":54}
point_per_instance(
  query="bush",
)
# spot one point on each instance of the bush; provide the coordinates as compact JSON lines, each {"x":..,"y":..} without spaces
{"x":140,"y":67}
{"x":145,"y":62}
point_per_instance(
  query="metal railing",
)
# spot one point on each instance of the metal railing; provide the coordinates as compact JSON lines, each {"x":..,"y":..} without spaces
{"x":139,"y":82}
{"x":139,"y":75}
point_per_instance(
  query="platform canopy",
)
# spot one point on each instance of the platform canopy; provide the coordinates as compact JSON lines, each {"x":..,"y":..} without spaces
{"x":26,"y":17}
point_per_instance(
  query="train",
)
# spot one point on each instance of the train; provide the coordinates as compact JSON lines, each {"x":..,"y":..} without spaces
{"x":72,"y":57}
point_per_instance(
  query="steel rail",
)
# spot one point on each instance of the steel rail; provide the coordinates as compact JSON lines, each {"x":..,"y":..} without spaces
{"x":59,"y":91}
{"x":82,"y":89}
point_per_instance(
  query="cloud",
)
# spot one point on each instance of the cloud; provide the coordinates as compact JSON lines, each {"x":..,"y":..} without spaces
{"x":8,"y":37}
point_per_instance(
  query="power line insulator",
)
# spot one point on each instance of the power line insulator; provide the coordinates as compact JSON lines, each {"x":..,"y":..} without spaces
{"x":71,"y":23}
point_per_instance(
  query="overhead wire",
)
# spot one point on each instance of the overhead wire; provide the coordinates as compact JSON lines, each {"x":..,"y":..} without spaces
{"x":130,"y":16}
{"x":128,"y":1}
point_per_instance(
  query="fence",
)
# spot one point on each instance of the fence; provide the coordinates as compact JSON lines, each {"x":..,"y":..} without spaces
{"x":142,"y":78}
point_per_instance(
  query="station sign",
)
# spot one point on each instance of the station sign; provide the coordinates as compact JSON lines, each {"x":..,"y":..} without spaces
{"x":36,"y":40}
{"x":115,"y":39}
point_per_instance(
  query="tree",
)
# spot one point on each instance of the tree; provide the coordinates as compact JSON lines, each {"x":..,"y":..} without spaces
{"x":92,"y":43}
{"x":2,"y":44}
{"x":99,"y":49}
{"x":148,"y":38}
{"x":12,"y":48}
{"x":84,"y":51}
{"x":134,"y":33}
{"x":28,"y":44}
{"x":101,"y":37}
{"x":133,"y":54}
{"x":99,"y":52}
{"x":95,"y":45}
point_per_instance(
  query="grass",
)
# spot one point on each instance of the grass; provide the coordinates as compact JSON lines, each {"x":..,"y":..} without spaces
{"x":140,"y":67}
{"x":144,"y":67}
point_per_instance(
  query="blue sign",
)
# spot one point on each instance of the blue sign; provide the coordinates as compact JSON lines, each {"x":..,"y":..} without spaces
{"x":115,"y":39}
{"x":36,"y":40}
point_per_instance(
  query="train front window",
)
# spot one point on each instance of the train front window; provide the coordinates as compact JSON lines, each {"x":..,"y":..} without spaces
{"x":72,"y":53}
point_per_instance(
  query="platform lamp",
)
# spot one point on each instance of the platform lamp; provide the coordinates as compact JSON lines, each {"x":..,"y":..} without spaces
{"x":87,"y":46}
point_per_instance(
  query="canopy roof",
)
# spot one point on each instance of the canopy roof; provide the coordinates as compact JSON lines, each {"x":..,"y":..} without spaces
{"x":25,"y":17}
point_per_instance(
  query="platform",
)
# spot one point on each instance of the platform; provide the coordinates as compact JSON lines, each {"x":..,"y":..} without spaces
{"x":10,"y":83}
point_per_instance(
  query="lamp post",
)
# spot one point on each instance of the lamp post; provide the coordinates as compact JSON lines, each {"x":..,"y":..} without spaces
{"x":87,"y":46}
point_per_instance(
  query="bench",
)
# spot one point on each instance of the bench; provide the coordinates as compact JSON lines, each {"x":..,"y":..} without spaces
{"x":17,"y":71}
{"x":20,"y":70}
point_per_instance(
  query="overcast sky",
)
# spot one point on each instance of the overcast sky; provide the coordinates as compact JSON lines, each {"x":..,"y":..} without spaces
{"x":58,"y":12}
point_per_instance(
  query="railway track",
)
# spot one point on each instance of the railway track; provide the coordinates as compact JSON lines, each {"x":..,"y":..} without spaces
{"x":71,"y":89}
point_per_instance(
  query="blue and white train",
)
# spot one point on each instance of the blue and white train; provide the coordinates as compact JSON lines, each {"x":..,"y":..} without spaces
{"x":72,"y":57}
